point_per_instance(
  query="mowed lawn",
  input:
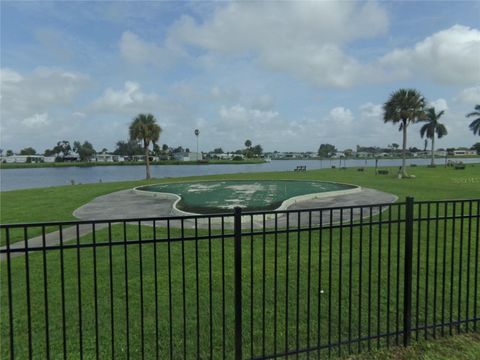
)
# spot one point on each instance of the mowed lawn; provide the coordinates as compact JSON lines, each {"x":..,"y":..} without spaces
{"x":58,"y":203}
{"x":299,"y":290}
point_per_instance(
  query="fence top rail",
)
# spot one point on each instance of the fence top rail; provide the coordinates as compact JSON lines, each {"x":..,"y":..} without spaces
{"x":193,"y":216}
{"x":446,"y":201}
{"x":115,"y":221}
{"x":323,"y":209}
{"x":68,"y":244}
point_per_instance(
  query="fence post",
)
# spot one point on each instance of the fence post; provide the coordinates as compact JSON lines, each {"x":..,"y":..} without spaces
{"x":237,"y":227}
{"x":407,"y":286}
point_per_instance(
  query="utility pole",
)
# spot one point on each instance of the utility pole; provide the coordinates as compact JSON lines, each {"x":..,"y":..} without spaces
{"x":197,"y":132}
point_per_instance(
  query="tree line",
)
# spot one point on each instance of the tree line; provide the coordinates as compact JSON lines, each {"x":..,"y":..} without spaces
{"x":143,"y":132}
{"x":408,"y":106}
{"x":404,"y":107}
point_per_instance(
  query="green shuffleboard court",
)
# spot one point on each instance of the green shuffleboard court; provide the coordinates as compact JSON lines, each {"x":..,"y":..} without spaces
{"x":252,"y":195}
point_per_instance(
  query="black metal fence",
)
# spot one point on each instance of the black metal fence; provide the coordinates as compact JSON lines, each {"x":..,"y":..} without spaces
{"x":310,"y":283}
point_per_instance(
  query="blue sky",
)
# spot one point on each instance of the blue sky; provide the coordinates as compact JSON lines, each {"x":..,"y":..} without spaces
{"x":287,"y":75}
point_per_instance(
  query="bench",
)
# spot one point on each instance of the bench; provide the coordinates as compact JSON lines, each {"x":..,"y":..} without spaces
{"x":361,"y":169}
{"x":459,"y":166}
{"x":382,"y":172}
{"x":300,"y":168}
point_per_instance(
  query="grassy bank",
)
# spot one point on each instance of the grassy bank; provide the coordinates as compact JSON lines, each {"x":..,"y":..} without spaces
{"x":48,"y":204}
{"x":191,"y":275}
{"x":152,"y":279}
{"x":6,"y":166}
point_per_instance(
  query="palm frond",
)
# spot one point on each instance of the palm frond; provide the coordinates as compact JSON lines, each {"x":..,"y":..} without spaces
{"x":474,"y":113}
{"x":441,"y":131}
{"x":475,"y":126}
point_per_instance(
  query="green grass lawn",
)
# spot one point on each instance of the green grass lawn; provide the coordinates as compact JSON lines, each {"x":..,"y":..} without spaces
{"x":49,"y":204}
{"x":460,"y":347}
{"x":357,"y":271}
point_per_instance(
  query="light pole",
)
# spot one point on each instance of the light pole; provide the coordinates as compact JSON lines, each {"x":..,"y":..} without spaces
{"x":197,"y":132}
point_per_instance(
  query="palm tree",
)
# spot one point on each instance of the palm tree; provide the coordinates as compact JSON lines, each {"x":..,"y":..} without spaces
{"x":475,"y":124}
{"x":432,"y":127}
{"x":144,"y":128}
{"x":405,"y":106}
{"x":248,"y":144}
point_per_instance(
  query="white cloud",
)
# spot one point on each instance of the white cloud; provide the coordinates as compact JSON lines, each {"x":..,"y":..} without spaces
{"x":301,"y":38}
{"x":439,"y":105}
{"x":130,"y":99}
{"x":370,"y":110}
{"x":341,"y":116}
{"x":245,"y":26}
{"x":135,"y":50}
{"x":38,"y":91}
{"x":339,"y":126}
{"x":307,"y":40}
{"x":138,"y":51}
{"x":36,"y":120}
{"x":450,"y":56}
{"x":370,"y":129}
{"x":234,"y":124}
{"x":120,"y":105}
{"x":9,"y":76}
{"x":238,"y":115}
{"x":35,"y":106}
{"x":470,"y":96}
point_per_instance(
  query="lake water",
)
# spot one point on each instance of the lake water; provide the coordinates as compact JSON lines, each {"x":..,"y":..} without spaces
{"x":13,"y":179}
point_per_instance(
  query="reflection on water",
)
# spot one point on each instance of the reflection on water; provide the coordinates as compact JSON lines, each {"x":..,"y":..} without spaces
{"x":12,"y":179}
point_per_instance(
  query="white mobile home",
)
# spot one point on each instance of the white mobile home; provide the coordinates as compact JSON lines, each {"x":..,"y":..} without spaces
{"x":464,"y":152}
{"x":188,"y":156}
{"x":24,"y":158}
{"x":104,"y":157}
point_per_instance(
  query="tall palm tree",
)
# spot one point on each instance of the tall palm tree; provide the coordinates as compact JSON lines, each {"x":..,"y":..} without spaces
{"x":432,"y":127}
{"x":144,"y":128}
{"x":475,"y":124}
{"x":405,"y":106}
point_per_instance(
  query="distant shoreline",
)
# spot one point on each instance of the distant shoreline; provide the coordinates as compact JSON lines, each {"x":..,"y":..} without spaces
{"x":381,"y":158}
{"x":6,"y":166}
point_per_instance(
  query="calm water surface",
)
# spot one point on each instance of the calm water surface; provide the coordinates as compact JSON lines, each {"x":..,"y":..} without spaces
{"x":13,"y":179}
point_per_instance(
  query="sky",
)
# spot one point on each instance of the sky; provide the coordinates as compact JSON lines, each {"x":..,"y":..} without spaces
{"x":286,"y":75}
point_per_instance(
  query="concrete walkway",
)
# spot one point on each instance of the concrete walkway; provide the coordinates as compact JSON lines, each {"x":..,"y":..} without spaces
{"x":127,"y":204}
